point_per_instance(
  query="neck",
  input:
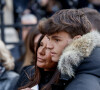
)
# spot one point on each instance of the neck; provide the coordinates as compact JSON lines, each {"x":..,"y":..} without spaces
{"x":53,"y":69}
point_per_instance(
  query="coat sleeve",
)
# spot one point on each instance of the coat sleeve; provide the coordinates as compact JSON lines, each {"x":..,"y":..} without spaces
{"x":84,"y":82}
{"x":25,"y":76}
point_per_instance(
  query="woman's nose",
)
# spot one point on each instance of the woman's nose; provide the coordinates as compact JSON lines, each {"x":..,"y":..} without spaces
{"x":42,"y":51}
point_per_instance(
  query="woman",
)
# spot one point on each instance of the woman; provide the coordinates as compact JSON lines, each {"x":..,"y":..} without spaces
{"x":45,"y":72}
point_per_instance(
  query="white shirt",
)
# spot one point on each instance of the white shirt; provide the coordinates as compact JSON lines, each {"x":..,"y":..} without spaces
{"x":36,"y":87}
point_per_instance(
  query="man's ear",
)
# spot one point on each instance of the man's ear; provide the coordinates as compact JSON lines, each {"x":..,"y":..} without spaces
{"x":76,"y":37}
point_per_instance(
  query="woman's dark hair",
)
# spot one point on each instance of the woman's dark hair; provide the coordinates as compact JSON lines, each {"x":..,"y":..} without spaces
{"x":29,"y":42}
{"x":37,"y":75}
{"x":29,"y":55}
{"x":33,"y":34}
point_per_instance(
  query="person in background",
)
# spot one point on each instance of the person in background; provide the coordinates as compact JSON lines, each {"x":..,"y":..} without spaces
{"x":93,"y":16}
{"x":27,"y":19}
{"x":43,"y":8}
{"x":67,"y":4}
{"x":5,"y":57}
{"x":18,"y":8}
{"x":19,"y":50}
{"x":8,"y":78}
{"x":28,"y":56}
{"x":94,"y":4}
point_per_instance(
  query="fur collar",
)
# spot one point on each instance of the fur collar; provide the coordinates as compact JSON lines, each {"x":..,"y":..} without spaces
{"x":77,"y":51}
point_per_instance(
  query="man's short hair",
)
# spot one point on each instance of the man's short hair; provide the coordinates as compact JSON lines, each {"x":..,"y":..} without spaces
{"x":93,"y":16}
{"x":72,"y":21}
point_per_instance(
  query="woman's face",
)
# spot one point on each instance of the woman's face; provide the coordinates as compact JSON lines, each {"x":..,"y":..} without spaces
{"x":44,"y":57}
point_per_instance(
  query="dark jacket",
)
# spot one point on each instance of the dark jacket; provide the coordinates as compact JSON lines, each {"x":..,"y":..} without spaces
{"x":8,"y":79}
{"x":87,"y":74}
{"x":25,"y":76}
{"x":81,"y":60}
{"x":28,"y":72}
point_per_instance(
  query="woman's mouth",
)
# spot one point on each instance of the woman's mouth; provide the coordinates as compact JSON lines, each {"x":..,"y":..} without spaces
{"x":39,"y":59}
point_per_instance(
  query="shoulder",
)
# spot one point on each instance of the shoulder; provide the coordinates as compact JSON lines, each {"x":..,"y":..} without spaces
{"x":95,"y":52}
{"x":84,"y":82}
{"x":28,"y":70}
{"x":25,"y":75}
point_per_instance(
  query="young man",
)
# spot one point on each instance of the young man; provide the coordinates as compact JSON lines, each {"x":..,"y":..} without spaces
{"x":75,"y":48}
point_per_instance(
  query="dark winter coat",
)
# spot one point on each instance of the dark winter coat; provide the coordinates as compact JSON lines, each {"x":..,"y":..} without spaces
{"x":81,"y":60}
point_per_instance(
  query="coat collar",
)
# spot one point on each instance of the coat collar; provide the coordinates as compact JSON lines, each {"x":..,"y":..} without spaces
{"x":77,"y":51}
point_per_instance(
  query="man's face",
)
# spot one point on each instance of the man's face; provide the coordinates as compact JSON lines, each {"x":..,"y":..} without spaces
{"x":57,"y":43}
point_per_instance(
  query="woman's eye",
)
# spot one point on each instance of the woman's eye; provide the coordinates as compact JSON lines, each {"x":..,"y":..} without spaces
{"x":41,"y":44}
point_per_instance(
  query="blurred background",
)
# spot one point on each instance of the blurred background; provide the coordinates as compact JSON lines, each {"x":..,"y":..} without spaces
{"x":18,"y":17}
{"x":16,"y":13}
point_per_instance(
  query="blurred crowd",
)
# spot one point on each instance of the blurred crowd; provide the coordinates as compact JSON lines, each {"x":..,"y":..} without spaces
{"x":15,"y":58}
{"x":46,"y":8}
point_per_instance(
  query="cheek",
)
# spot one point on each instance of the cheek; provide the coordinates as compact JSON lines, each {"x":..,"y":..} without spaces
{"x":48,"y":59}
{"x":65,"y":44}
{"x":61,"y":48}
{"x":50,"y":64}
{"x":41,"y":64}
{"x":37,"y":52}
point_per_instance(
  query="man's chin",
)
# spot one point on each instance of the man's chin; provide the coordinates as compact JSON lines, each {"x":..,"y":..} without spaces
{"x":54,"y":59}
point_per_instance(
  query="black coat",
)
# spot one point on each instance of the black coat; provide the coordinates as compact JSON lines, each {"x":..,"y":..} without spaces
{"x":28,"y":72}
{"x":87,"y":74}
{"x":81,"y":60}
